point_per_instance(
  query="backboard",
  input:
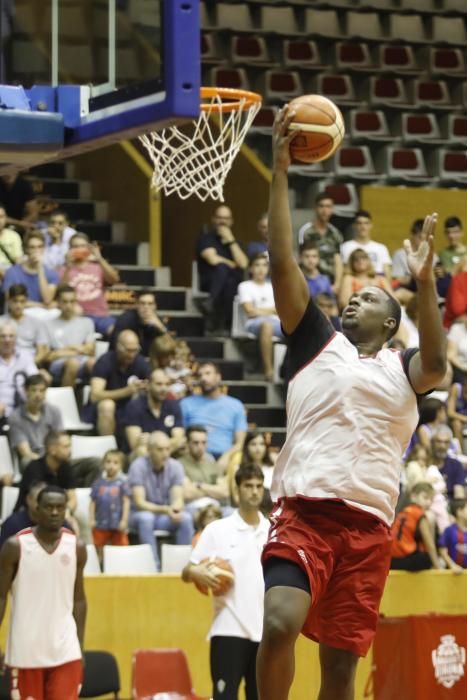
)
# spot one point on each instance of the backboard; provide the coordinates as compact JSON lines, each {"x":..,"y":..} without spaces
{"x":80,"y":74}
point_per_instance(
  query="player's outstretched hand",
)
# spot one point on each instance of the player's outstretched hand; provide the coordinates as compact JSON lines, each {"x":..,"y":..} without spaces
{"x":420,"y":261}
{"x":282,"y":137}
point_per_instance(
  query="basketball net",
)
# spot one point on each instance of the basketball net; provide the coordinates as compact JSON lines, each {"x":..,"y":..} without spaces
{"x":196,"y":158}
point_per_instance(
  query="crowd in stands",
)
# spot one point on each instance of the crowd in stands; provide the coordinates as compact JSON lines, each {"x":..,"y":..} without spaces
{"x":180,"y":438}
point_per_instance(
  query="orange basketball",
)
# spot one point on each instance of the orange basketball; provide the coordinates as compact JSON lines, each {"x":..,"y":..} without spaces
{"x":224,"y":572}
{"x":319,"y":126}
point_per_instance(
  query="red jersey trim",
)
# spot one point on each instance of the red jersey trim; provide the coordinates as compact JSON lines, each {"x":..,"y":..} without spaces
{"x":314,"y":356}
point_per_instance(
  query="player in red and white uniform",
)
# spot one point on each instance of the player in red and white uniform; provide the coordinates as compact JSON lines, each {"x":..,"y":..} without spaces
{"x":42,"y":567}
{"x":351,"y":409}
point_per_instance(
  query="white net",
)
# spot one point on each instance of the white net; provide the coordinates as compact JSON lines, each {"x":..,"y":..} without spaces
{"x":196,"y":158}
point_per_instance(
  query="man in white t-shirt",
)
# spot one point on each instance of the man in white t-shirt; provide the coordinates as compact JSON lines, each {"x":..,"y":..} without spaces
{"x":257,"y":300}
{"x":378,"y":253}
{"x":42,"y":567}
{"x":238,"y":614}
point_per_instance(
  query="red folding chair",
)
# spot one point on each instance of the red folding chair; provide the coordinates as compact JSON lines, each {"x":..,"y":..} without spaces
{"x":161,"y":671}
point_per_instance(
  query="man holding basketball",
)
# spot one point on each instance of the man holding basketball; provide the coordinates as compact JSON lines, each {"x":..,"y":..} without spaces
{"x":352,"y":408}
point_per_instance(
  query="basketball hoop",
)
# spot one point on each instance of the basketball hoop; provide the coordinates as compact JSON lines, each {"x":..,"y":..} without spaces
{"x":196,"y":158}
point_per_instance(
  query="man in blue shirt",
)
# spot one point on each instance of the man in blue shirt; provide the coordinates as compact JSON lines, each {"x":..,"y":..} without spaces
{"x":152,"y":411}
{"x":156,"y":484}
{"x":223,"y":416}
{"x":39,"y":280}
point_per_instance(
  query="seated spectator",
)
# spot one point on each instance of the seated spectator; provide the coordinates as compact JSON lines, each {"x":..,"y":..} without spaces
{"x":25,"y":517}
{"x":18,"y":197}
{"x":88,"y":272}
{"x":327,"y":304}
{"x":400,"y":270}
{"x":433,"y":414}
{"x":162,"y":352}
{"x":71,"y":340}
{"x":57,"y":239}
{"x":31,"y":422}
{"x":142,"y":320}
{"x":456,"y":298}
{"x":110,"y":504}
{"x":118,"y":376}
{"x":39,"y":280}
{"x":156,"y":483}
{"x":457,"y":348}
{"x":255,"y":451}
{"x":221,"y":262}
{"x":257,"y":300}
{"x":451,"y":255}
{"x":451,"y":469}
{"x":152,"y":411}
{"x":222,"y":416}
{"x":419,"y":469}
{"x":11,"y":246}
{"x":309,"y":262}
{"x":204,"y":482}
{"x":31,"y":334}
{"x":360,"y":274}
{"x":413,"y":546}
{"x":260,"y":246}
{"x":53,"y":468}
{"x":327,"y":237}
{"x":15,"y":366}
{"x":377,"y":252}
{"x":408,"y":329}
{"x":457,"y":409}
{"x":453,"y":541}
{"x":203,"y":517}
{"x":181,"y":370}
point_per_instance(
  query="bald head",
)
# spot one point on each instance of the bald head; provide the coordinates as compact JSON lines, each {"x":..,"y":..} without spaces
{"x":222,"y":217}
{"x":158,"y":385}
{"x":159,"y":449}
{"x":127,"y":347}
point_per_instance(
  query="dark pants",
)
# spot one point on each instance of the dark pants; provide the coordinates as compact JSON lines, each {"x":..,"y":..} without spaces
{"x":222,"y":283}
{"x":233,"y":658}
{"x":418,"y":561}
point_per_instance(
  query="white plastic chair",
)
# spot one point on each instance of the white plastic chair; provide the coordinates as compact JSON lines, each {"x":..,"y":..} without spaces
{"x":92,"y":566}
{"x":174,"y":557}
{"x":63,"y":398}
{"x":7,"y":460}
{"x":239,"y":318}
{"x":83,"y":446}
{"x":134,"y":559}
{"x":102,"y":346}
{"x":83,"y":499}
{"x":9,"y":498}
{"x":279,"y":354}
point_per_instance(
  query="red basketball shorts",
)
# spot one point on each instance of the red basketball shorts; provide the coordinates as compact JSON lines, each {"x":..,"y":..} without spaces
{"x":345,"y":553}
{"x":114,"y":537}
{"x":54,"y":683}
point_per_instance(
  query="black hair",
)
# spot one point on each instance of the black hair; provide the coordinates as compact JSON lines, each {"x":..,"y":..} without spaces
{"x":252,"y":436}
{"x":428,"y":408}
{"x":394,"y":312}
{"x":457,"y":504}
{"x":64,"y":289}
{"x":308,"y":245}
{"x":417,"y":226}
{"x":362,"y":213}
{"x":195,"y":429}
{"x":34,"y":380}
{"x":248,"y":471}
{"x":208,"y":363}
{"x":52,"y":437}
{"x":422,"y":487}
{"x":144,"y":292}
{"x":17,"y":290}
{"x":452,"y":222}
{"x":321,"y":196}
{"x":60,"y":212}
{"x":51,"y":488}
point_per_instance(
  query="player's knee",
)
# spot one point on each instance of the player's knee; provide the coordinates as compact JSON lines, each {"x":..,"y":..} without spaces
{"x":278,"y":627}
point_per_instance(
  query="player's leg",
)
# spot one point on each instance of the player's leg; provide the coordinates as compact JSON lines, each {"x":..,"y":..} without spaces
{"x":251,"y":688}
{"x":338,"y":669}
{"x":286,"y":606}
{"x":27,"y":683}
{"x":64,"y":682}
{"x":227,"y":665}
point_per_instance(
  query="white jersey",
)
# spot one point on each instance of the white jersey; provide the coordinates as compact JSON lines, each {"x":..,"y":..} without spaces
{"x":238,"y":613}
{"x":349,"y":420}
{"x":42,"y":627}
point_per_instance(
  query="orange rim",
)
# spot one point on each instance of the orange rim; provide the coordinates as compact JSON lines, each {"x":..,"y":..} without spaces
{"x":235,"y":99}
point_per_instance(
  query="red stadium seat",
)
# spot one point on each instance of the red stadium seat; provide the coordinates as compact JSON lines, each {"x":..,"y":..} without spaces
{"x":230,"y":78}
{"x":388,"y":91}
{"x":397,"y":57}
{"x":209,"y":50}
{"x":405,"y":165}
{"x":432,"y":94}
{"x":447,"y":61}
{"x":451,"y":166}
{"x":302,"y":53}
{"x":420,"y":128}
{"x":161,"y":671}
{"x":369,"y":126}
{"x":456,"y":128}
{"x":264,"y":120}
{"x":276,"y":85}
{"x":355,"y":163}
{"x":249,"y":50}
{"x":345,"y":198}
{"x":338,"y":88}
{"x":353,"y":56}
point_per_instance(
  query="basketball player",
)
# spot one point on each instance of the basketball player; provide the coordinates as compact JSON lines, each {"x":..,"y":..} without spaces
{"x":43,"y":566}
{"x":238,"y":614}
{"x":352,"y":408}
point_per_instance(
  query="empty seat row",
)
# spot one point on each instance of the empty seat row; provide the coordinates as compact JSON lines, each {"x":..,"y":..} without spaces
{"x":287,"y":20}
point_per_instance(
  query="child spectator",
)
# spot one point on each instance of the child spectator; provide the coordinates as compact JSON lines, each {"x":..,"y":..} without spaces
{"x":413,"y":546}
{"x":110,"y":503}
{"x":453,"y":541}
{"x":203,"y":517}
{"x":419,"y":469}
{"x":361,"y":273}
{"x":309,"y":262}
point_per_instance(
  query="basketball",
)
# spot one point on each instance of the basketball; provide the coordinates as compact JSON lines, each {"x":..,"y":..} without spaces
{"x":319,"y":126}
{"x":223,"y":570}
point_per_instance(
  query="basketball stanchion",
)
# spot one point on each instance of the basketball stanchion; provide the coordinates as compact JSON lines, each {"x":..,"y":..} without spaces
{"x":194,"y":159}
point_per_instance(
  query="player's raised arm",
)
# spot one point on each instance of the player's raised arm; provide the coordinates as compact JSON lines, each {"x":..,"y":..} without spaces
{"x":291,"y":292}
{"x":428,"y":367}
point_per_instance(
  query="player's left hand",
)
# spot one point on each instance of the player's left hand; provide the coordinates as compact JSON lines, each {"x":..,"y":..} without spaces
{"x":420,"y":262}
